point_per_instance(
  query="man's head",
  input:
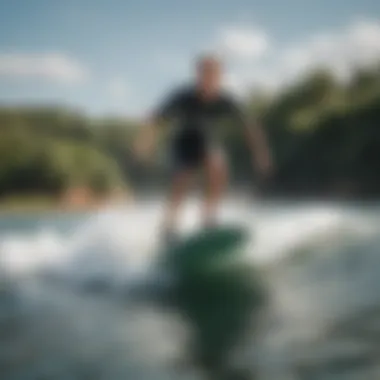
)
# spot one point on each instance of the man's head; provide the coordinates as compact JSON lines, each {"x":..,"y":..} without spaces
{"x":209,"y":74}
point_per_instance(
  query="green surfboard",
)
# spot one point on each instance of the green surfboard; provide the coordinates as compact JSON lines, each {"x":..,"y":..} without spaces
{"x":203,"y":250}
{"x":217,"y":294}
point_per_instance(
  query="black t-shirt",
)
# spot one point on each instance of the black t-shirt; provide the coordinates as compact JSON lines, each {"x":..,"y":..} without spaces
{"x":188,"y":111}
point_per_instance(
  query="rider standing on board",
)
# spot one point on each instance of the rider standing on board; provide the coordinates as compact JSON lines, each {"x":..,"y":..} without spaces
{"x":197,"y":111}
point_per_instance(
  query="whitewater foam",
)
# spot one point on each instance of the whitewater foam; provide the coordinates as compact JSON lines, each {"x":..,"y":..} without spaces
{"x":321,"y":264}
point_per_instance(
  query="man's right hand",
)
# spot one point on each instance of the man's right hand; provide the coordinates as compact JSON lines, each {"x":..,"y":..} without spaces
{"x":144,"y":144}
{"x":264,"y":164}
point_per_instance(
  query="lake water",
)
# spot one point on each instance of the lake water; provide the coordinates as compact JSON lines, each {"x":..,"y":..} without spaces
{"x":66,"y":313}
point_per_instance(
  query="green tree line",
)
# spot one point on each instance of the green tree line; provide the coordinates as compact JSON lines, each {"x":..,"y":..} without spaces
{"x":324,"y":133}
{"x":48,"y":150}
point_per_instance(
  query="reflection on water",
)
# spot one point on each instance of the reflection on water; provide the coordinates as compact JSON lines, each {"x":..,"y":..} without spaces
{"x":67,"y":309}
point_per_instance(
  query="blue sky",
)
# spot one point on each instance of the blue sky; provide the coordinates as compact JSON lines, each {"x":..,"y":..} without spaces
{"x":106,"y":56}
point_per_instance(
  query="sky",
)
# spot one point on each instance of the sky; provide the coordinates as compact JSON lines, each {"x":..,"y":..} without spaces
{"x":123,"y":56}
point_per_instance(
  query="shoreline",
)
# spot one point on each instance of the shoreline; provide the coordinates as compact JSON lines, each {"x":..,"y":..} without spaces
{"x":46,"y":204}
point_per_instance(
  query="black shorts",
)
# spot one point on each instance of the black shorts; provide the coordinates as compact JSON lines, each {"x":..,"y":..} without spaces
{"x":189,"y":149}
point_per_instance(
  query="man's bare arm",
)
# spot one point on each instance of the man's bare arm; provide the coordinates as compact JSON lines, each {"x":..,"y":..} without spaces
{"x":259,"y":146}
{"x":146,"y":138}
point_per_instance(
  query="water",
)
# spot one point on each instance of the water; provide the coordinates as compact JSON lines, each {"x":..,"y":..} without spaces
{"x":66,"y":310}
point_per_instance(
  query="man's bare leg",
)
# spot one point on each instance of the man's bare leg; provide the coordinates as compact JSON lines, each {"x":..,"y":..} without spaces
{"x":178,"y":190}
{"x":216,"y":181}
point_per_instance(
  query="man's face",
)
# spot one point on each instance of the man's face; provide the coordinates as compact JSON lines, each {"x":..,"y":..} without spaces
{"x":209,"y":75}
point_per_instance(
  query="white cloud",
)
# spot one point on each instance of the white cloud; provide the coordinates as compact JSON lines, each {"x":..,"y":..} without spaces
{"x":341,"y":51}
{"x":232,"y":82}
{"x":254,"y":60}
{"x":53,"y":67}
{"x":357,"y":46}
{"x":243,"y":43}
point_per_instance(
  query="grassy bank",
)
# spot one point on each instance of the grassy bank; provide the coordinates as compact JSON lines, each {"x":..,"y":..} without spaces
{"x":28,"y":203}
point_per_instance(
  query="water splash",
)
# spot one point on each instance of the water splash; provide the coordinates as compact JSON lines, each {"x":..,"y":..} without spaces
{"x":320,"y":262}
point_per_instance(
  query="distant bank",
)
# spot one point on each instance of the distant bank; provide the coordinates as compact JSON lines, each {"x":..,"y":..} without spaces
{"x":74,"y":199}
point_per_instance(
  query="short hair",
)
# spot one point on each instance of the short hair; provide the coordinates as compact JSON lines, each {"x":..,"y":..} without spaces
{"x":206,"y":58}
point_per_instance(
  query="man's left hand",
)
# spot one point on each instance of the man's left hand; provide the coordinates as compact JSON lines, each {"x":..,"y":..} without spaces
{"x":264,"y":164}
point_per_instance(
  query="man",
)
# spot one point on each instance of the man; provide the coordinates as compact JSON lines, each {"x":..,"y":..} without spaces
{"x":197,"y":111}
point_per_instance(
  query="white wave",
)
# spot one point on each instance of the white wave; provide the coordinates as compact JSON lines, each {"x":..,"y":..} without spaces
{"x":22,"y":254}
{"x":121,"y":243}
{"x":322,"y":267}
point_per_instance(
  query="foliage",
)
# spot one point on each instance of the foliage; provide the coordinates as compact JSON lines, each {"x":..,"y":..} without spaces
{"x":50,"y":150}
{"x":325,"y":134}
